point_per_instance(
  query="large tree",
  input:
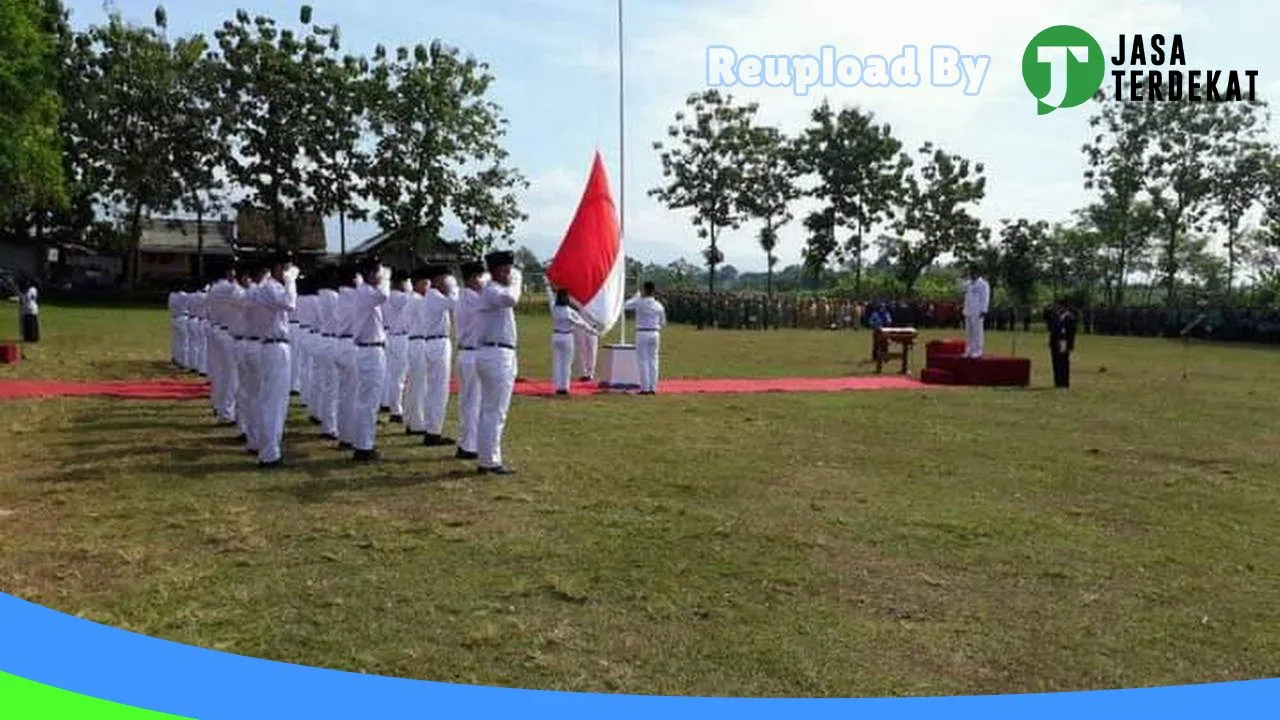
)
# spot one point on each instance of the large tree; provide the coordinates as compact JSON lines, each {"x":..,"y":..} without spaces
{"x":438,"y":147}
{"x":340,"y":122}
{"x":859,"y":169}
{"x":703,"y":167}
{"x":1023,"y":245}
{"x":1238,"y":170}
{"x":769,"y":188}
{"x":272,"y":76}
{"x":31,"y":173}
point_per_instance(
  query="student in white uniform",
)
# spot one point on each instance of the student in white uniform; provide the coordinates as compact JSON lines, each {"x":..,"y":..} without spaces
{"x":370,"y":338}
{"x":565,"y":324}
{"x":440,"y":303}
{"x":977,"y":298}
{"x":468,"y":331}
{"x":222,"y":349}
{"x":302,"y":343}
{"x":175,"y":332}
{"x":30,"y":315}
{"x":497,"y":358}
{"x":276,"y":298}
{"x":415,"y":324}
{"x":180,"y":327}
{"x":397,"y":345}
{"x":327,"y":347}
{"x":250,"y":344}
{"x":345,"y":357}
{"x":651,"y":318}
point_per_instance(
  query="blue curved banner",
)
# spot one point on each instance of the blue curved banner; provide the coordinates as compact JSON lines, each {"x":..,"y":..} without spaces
{"x":59,"y":651}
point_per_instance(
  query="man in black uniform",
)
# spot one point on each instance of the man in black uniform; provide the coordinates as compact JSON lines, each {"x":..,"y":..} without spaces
{"x":1062,"y":342}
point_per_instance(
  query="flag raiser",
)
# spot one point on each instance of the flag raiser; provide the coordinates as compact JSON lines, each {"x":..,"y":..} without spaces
{"x":590,"y":264}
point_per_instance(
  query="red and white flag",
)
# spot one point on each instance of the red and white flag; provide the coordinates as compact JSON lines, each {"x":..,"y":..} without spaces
{"x":590,"y":264}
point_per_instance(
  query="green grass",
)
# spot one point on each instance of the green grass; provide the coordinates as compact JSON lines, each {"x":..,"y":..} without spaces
{"x":976,"y":541}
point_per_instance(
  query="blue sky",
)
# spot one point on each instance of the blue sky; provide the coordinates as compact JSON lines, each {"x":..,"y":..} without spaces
{"x":555,"y":63}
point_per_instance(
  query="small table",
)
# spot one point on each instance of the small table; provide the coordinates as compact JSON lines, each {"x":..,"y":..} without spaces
{"x":904,"y":337}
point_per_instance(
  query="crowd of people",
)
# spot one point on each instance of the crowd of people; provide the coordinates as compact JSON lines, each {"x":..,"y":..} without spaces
{"x":352,"y":341}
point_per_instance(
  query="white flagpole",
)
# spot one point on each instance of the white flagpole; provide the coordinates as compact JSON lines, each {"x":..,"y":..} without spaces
{"x":622,"y":175}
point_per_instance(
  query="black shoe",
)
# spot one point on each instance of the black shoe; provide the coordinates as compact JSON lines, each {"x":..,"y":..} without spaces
{"x":500,"y":470}
{"x":294,"y":393}
{"x":271,"y":465}
{"x":242,"y":438}
{"x":344,"y":446}
{"x":365,"y":456}
{"x":414,"y":432}
{"x":437,"y":441}
{"x":464,"y":455}
{"x":562,"y":392}
{"x":585,"y":378}
{"x":397,"y":419}
{"x":251,"y":452}
{"x":315,"y":421}
{"x":384,"y":409}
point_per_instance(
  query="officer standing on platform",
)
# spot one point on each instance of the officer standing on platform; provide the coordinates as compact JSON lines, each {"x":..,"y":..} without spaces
{"x":1062,"y":342}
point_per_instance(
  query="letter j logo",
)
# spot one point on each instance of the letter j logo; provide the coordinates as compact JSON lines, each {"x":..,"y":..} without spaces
{"x":1063,"y":67}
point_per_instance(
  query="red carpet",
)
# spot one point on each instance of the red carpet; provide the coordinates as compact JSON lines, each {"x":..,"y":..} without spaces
{"x":174,"y":389}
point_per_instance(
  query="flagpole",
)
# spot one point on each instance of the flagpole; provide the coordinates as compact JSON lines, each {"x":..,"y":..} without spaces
{"x":622,"y":173}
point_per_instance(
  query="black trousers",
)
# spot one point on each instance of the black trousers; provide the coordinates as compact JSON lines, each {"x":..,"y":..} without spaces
{"x":1061,"y":369}
{"x":30,"y":328}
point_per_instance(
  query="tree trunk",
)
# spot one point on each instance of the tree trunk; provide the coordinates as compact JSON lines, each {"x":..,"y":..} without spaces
{"x":135,"y":235}
{"x":342,"y":233}
{"x":199,"y":240}
{"x":1232,"y":222}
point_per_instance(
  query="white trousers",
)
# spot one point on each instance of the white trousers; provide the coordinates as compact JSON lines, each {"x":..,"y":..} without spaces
{"x":562,"y":347}
{"x":439,"y":372}
{"x":216,"y":374}
{"x":397,"y":373}
{"x":348,"y":379}
{"x":497,"y":370}
{"x":975,"y":336}
{"x":206,"y":339}
{"x":303,"y":348}
{"x":468,"y":400}
{"x":250,"y":394}
{"x":327,"y":385}
{"x":295,"y":359}
{"x":275,"y":363}
{"x":229,"y":383}
{"x":175,"y":339}
{"x":184,"y":359}
{"x":371,"y":372}
{"x":588,"y":348}
{"x":415,"y":402}
{"x":648,"y":345}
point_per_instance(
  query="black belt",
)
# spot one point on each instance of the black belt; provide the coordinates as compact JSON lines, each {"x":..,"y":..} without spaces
{"x":304,"y":327}
{"x":371,"y":345}
{"x":252,"y":339}
{"x":436,"y":337}
{"x":417,"y":337}
{"x":295,"y":322}
{"x":562,"y":332}
{"x":648,"y":330}
{"x":275,"y":341}
{"x":466,"y":348}
{"x":504,"y":346}
{"x":328,"y":335}
{"x":345,"y":337}
{"x":400,"y":334}
{"x":237,"y":338}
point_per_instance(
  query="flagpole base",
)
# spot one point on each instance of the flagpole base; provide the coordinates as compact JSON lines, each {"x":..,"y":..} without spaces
{"x":621,"y":368}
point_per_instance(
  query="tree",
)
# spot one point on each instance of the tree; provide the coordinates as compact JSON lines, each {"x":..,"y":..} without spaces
{"x":340,"y":122}
{"x":1022,"y":245}
{"x":704,"y":167}
{"x":1116,"y":170}
{"x":821,"y":242}
{"x":769,"y":188}
{"x":1073,"y":260}
{"x":937,"y":219}
{"x":272,"y":77}
{"x":1178,"y":177}
{"x":527,"y":260}
{"x":1238,"y":170}
{"x":128,"y":123}
{"x":31,"y":172}
{"x":432,"y":123}
{"x":860,"y":170}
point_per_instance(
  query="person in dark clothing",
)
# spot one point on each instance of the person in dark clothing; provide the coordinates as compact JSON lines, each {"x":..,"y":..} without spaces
{"x":1062,"y":342}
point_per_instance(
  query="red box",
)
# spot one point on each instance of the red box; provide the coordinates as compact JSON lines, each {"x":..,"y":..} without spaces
{"x":9,"y":354}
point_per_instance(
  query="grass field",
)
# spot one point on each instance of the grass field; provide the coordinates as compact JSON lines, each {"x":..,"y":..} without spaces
{"x":1124,"y":533}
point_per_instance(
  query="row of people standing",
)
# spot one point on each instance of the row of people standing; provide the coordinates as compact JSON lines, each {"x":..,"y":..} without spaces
{"x":350,"y":341}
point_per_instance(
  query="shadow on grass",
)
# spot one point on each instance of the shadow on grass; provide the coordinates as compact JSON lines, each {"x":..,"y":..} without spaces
{"x":311,"y":492}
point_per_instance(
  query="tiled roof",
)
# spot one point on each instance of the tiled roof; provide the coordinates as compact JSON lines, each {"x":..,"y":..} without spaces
{"x":164,"y":235}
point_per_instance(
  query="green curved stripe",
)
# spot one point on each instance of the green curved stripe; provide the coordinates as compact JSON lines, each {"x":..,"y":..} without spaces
{"x":26,"y":700}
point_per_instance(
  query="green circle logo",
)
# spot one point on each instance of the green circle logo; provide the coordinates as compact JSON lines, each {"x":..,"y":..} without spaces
{"x":1063,"y":67}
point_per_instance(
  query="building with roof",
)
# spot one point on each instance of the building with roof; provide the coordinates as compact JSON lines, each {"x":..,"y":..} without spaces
{"x":395,"y":248}
{"x":170,"y":249}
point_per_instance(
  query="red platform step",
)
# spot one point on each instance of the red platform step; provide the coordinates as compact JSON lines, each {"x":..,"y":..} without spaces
{"x":942,"y":348}
{"x":937,"y":376}
{"x":945,"y":364}
{"x":9,"y":353}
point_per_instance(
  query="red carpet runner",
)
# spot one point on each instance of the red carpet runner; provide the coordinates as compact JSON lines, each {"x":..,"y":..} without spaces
{"x":176,"y":389}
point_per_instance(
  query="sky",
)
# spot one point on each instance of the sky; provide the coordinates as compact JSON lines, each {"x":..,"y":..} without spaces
{"x":556,"y":64}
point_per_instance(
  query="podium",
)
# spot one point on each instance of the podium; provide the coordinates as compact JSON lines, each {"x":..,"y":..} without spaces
{"x":620,"y":369}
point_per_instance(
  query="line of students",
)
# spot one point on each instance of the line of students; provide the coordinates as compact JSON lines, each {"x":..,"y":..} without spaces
{"x":351,"y":341}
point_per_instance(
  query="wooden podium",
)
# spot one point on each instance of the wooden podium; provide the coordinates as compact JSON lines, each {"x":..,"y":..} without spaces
{"x":883,"y":338}
{"x":621,"y":368}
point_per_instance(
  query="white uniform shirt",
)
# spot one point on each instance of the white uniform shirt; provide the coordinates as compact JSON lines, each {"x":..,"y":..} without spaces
{"x":29,"y":306}
{"x":366,"y":314}
{"x":343,"y":313}
{"x":564,"y":319}
{"x":437,"y":309}
{"x":326,"y":303}
{"x":275,"y":301}
{"x":255,"y":324}
{"x":400,"y":322}
{"x":467,"y":319}
{"x":174,"y":311}
{"x":394,"y":310}
{"x":650,"y":314}
{"x":977,"y":297}
{"x":235,"y":311}
{"x":497,"y":316}
{"x":305,"y":312}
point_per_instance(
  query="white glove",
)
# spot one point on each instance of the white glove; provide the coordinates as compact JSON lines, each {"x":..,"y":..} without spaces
{"x":291,"y":273}
{"x":450,"y":285}
{"x":516,"y":277}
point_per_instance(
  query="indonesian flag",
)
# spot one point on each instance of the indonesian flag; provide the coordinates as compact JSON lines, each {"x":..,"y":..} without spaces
{"x":590,"y":264}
